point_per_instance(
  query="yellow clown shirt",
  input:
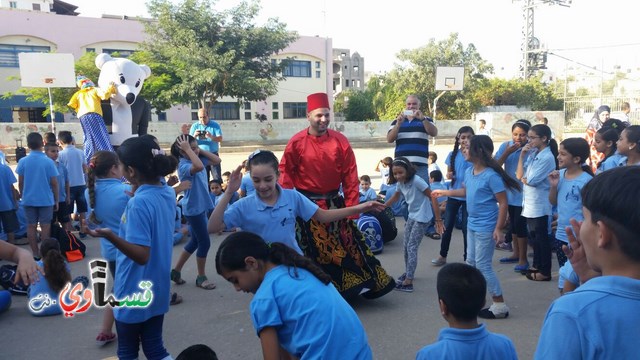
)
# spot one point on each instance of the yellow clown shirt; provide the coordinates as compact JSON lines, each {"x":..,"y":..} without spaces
{"x":88,"y":100}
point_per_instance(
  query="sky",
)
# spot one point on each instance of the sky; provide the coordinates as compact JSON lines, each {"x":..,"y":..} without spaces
{"x":589,"y":32}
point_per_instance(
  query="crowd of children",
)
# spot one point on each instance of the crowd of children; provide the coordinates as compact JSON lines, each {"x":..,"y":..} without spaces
{"x":520,"y":187}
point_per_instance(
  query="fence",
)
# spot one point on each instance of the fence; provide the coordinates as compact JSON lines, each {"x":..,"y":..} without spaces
{"x":579,"y":110}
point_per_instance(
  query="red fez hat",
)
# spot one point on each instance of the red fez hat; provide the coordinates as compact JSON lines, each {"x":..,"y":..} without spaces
{"x":317,"y":101}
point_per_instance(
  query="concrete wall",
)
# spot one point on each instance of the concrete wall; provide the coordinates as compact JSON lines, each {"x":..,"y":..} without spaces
{"x":500,"y":123}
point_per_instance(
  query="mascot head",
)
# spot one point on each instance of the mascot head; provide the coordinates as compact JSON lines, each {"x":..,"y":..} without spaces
{"x":84,"y":82}
{"x":127,"y":75}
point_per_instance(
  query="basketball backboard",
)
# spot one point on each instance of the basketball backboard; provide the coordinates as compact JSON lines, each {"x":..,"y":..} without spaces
{"x":449,"y":78}
{"x":45,"y":70}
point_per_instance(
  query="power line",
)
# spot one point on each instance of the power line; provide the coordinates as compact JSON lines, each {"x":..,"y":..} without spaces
{"x":581,"y":64}
{"x":596,"y":47}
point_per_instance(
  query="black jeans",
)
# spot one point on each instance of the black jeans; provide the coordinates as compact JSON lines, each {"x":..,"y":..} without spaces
{"x":450,"y":215}
{"x":539,"y":235}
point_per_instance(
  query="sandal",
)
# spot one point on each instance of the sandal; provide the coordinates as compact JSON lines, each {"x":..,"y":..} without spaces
{"x":103,"y":339}
{"x":203,"y":283}
{"x":538,"y":277}
{"x":435,"y":236}
{"x":176,"y":277}
{"x":175,"y":299}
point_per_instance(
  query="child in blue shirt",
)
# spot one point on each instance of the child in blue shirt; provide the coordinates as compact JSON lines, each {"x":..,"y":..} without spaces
{"x":246,"y":186}
{"x":485,"y":187}
{"x":64,"y":194}
{"x":629,"y":146}
{"x":8,"y":203}
{"x":38,"y":184}
{"x":599,"y":320}
{"x":272,"y":212}
{"x":605,"y":142}
{"x":417,"y":194}
{"x":366,"y":192}
{"x":566,"y":185}
{"x":435,"y":182}
{"x":196,"y":206}
{"x":461,"y":294}
{"x":145,"y":246}
{"x":295,"y":308}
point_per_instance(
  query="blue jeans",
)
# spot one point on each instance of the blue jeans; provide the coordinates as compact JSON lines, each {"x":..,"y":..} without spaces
{"x":199,"y":235}
{"x":480,"y":255}
{"x":149,"y":333}
{"x":450,"y":215}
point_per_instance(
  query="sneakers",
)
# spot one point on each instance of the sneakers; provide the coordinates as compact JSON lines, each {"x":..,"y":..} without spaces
{"x":401,"y":278}
{"x":521,"y":268}
{"x":404,"y":288}
{"x":495,"y":311}
{"x":104,"y":339}
{"x":504,"y":247}
{"x":439,"y":261}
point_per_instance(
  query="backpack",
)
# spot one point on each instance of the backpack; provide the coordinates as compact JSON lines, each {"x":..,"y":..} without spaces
{"x":370,"y":228}
{"x":7,"y":276}
{"x":20,"y":150}
{"x":70,"y":246}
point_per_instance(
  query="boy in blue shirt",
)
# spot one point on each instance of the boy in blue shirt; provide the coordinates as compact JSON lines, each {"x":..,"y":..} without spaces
{"x":38,"y":184}
{"x":461,"y":295}
{"x":435,"y":181}
{"x":8,"y":203}
{"x":62,"y":214}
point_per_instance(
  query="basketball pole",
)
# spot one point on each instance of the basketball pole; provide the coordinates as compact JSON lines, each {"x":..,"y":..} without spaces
{"x":435,"y":107}
{"x":51,"y":113}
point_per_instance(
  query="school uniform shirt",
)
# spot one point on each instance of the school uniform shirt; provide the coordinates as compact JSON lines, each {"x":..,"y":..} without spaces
{"x":73,"y":159}
{"x":419,"y":204}
{"x":148,"y":220}
{"x":42,"y":287}
{"x":312,"y":320}
{"x":536,"y":192}
{"x":398,"y":206}
{"x":196,"y":200}
{"x":384,"y":174}
{"x":514,"y":196}
{"x":463,"y":344}
{"x":482,"y":205}
{"x":439,"y":186}
{"x":598,"y":320}
{"x":112,"y":197}
{"x":37,"y":170}
{"x":569,"y":201}
{"x":246,"y":184}
{"x":7,"y":179}
{"x":461,"y":166}
{"x":370,"y":194}
{"x":63,"y":177}
{"x":612,"y":162}
{"x":275,"y":223}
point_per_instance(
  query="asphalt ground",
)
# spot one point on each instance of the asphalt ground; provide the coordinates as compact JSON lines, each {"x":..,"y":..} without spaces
{"x":397,"y":325}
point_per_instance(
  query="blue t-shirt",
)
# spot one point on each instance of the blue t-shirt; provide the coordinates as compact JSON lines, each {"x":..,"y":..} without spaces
{"x":368,"y":195}
{"x":536,"y":191}
{"x":399,"y":206}
{"x":464,"y":344}
{"x":599,"y":320}
{"x":206,"y":143}
{"x":7,"y":179}
{"x":63,"y":178}
{"x":148,"y":220}
{"x":419,"y":203}
{"x":196,"y":200}
{"x":482,"y":205}
{"x":275,"y":223}
{"x":42,"y":287}
{"x":73,"y":159}
{"x":514,"y":196}
{"x":312,"y":320}
{"x":246,"y":184}
{"x":461,"y":166}
{"x":612,"y":162}
{"x":569,"y":201}
{"x":111,"y":200}
{"x":37,"y":170}
{"x":439,"y":186}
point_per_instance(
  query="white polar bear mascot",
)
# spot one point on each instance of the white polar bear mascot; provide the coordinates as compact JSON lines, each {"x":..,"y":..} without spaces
{"x":128,"y":78}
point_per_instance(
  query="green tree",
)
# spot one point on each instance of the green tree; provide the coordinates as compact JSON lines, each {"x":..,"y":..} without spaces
{"x":418,"y":77}
{"x":209,"y":54}
{"x":531,"y":93}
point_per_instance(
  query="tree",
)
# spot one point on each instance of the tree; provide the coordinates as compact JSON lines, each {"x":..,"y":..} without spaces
{"x":418,"y":77}
{"x":531,"y":92}
{"x":209,"y":54}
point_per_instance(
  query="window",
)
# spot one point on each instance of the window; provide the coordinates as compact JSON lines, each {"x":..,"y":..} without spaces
{"x":274,"y":115}
{"x":162,"y":116}
{"x":90,"y":50}
{"x":317,"y":74}
{"x":195,"y":106}
{"x":274,"y":105}
{"x":9,"y":53}
{"x":296,"y":68}
{"x":247,"y":116}
{"x":346,"y":83}
{"x":121,"y":52}
{"x":317,"y":64}
{"x":13,"y":4}
{"x":225,"y":111}
{"x":247,"y":105}
{"x":36,"y":7}
{"x":295,"y":110}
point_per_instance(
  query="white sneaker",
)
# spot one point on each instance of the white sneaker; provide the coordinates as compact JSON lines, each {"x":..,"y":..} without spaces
{"x":495,"y":311}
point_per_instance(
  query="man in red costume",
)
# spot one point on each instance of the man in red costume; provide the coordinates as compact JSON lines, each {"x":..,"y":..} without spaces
{"x":316,"y":162}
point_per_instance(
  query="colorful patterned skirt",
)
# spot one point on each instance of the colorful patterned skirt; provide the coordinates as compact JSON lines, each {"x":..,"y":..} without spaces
{"x":340,"y":249}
